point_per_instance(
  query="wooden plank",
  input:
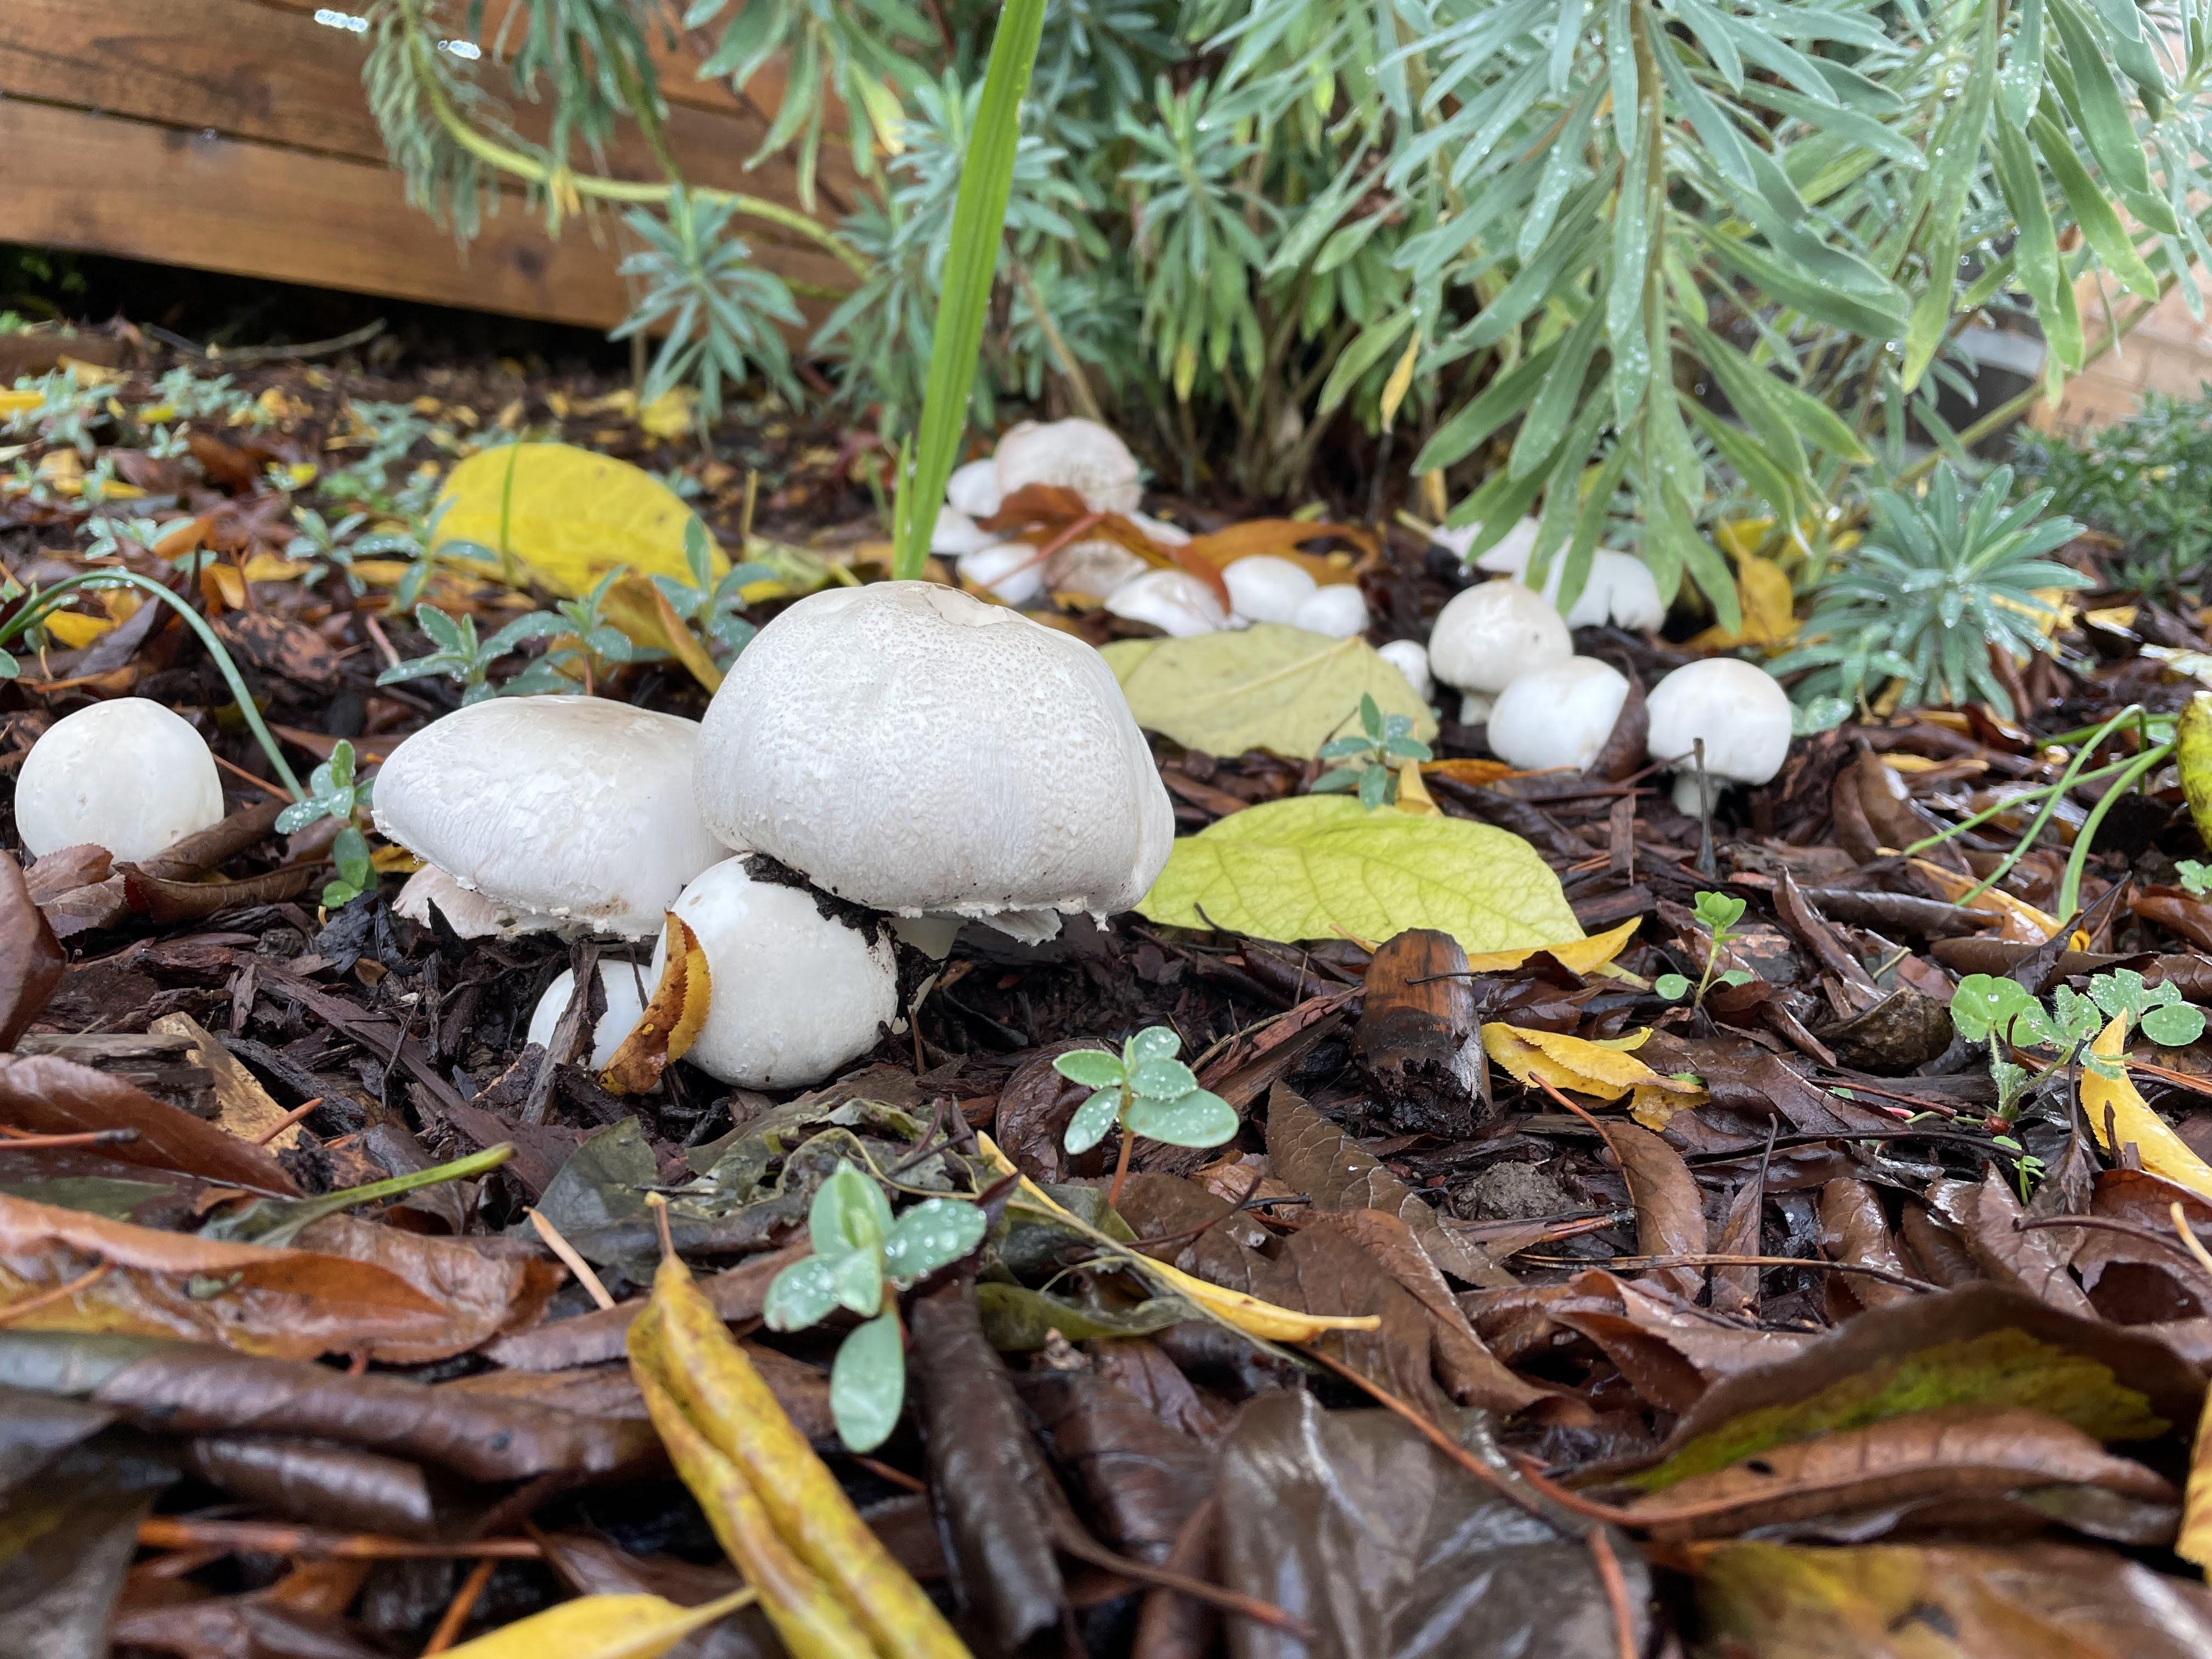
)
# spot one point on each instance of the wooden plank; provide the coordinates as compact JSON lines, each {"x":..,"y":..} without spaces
{"x":102,"y":184}
{"x":270,"y":72}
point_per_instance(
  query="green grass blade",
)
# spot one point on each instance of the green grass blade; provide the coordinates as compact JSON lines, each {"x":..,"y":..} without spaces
{"x":979,"y":219}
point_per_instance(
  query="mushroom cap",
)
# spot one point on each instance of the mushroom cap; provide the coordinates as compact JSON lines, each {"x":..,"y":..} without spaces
{"x":1739,"y":710}
{"x":976,"y":761}
{"x":128,"y":775}
{"x":1176,"y":602}
{"x":626,"y":988}
{"x":1620,"y":588}
{"x":1337,"y":609}
{"x":578,"y":808}
{"x":1166,"y":534}
{"x":1091,"y":569}
{"x":1076,"y":455}
{"x":470,"y":916}
{"x":1263,"y":588}
{"x":1509,"y":556}
{"x":1558,"y":716}
{"x":974,"y":488}
{"x":957,"y":533}
{"x":1493,"y":633}
{"x":793,"y":993}
{"x":1006,"y":570}
{"x":1410,"y":659}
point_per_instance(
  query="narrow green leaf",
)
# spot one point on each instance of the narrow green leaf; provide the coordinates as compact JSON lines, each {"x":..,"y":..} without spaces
{"x":2035,"y":251}
{"x":2022,"y":79}
{"x":2091,"y":210}
{"x":1555,"y":404}
{"x":2105,"y":121}
{"x":1497,"y":403}
{"x":979,"y":218}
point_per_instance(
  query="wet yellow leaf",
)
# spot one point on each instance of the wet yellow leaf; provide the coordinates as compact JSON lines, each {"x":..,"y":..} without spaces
{"x":2163,"y":1153}
{"x":1604,"y":1069}
{"x":1739,"y":538}
{"x":825,"y":1581}
{"x":1769,"y":607}
{"x":672,"y":415}
{"x":1263,"y":1320}
{"x":601,"y":1627}
{"x":2192,"y":750}
{"x":1401,"y":381}
{"x":2195,"y":1543}
{"x":273,"y":568}
{"x":20,"y":403}
{"x":75,"y":630}
{"x":671,"y":1021}
{"x":568,"y":515}
{"x":1576,"y":955}
{"x":2121,"y":617}
{"x":1412,"y":794}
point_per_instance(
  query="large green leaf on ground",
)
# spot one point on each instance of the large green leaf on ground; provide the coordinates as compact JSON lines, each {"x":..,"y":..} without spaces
{"x":1270,"y":687}
{"x":1321,"y":867}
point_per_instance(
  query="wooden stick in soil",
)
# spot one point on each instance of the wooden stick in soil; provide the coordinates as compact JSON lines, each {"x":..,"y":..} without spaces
{"x":22,"y":1140}
{"x":571,"y":1259}
{"x":296,"y":1114}
{"x":459,"y":1610}
{"x":171,"y":1532}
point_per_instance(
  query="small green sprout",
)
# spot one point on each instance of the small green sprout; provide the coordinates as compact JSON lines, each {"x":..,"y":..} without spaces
{"x":468,"y":662}
{"x":859,"y":1250}
{"x":1987,"y":1008}
{"x":1720,"y":912}
{"x":332,"y":792}
{"x":1374,"y":757}
{"x":1149,"y":1092}
{"x":2196,"y":878}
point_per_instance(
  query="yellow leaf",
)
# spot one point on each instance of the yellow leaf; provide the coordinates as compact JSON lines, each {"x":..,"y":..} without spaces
{"x":670,"y":415}
{"x":1270,"y":687}
{"x":1604,"y":1069}
{"x":75,"y":630}
{"x":1739,"y":538}
{"x":2192,"y":750}
{"x":671,"y":1021}
{"x":1321,"y":867}
{"x":2195,"y":1543}
{"x":1401,"y":381}
{"x":1412,"y":794}
{"x":641,"y":612}
{"x":1475,"y":772}
{"x":1769,"y":607}
{"x":2120,"y":617}
{"x":2020,"y":922}
{"x":20,"y":403}
{"x":1577,"y":956}
{"x":600,"y":1627}
{"x":568,"y":515}
{"x":272,"y":568}
{"x":826,"y":1582}
{"x":2163,"y":1153}
{"x":1263,"y":1320}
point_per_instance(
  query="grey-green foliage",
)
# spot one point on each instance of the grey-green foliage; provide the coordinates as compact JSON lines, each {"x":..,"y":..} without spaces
{"x":1942,"y":577}
{"x":859,"y":1250}
{"x":1660,"y":258}
{"x":1368,"y":762}
{"x":333,"y":792}
{"x":1147,"y":1090}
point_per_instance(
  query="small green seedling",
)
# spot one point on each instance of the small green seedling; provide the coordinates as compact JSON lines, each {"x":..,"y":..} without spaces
{"x":1372,"y":759}
{"x":859,"y":1250}
{"x":710,"y":606}
{"x":469,"y":663}
{"x":2196,"y":878}
{"x":1149,"y":1092}
{"x":1986,"y":1008}
{"x":1720,"y":912}
{"x":333,"y":793}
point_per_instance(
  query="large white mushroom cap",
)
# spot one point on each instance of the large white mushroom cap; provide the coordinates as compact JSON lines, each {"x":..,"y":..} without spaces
{"x":1491,"y":635}
{"x":1264,"y":587}
{"x":1737,"y":708}
{"x":1336,"y":609}
{"x":795,"y":993}
{"x":913,"y":749}
{"x":1076,"y":455}
{"x":626,"y":986}
{"x":128,"y":775}
{"x":973,"y":490}
{"x":957,"y":533}
{"x":574,"y":807}
{"x":1007,"y":570}
{"x":1410,"y":659}
{"x":1620,"y":588}
{"x":1176,"y":602}
{"x":1558,"y":716}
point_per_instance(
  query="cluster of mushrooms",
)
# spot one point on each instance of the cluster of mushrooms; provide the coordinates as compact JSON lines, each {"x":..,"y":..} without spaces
{"x":1091,"y":460}
{"x":883,"y":763}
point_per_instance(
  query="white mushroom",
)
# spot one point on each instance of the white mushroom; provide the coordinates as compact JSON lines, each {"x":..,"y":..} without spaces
{"x":974,"y":488}
{"x":1007,"y":570}
{"x":1166,"y":534}
{"x":578,"y":808}
{"x":957,"y":533}
{"x":1410,"y":659}
{"x":1091,"y":569}
{"x":1491,"y":635}
{"x":976,"y":761}
{"x":795,"y":993}
{"x":1075,"y":454}
{"x":128,"y":775}
{"x":1263,"y":588}
{"x":1176,"y":602}
{"x":1336,"y":610}
{"x":1558,"y":716}
{"x":626,"y":986}
{"x":470,"y":916}
{"x":1738,"y":708}
{"x":1620,"y":589}
{"x":1507,"y":558}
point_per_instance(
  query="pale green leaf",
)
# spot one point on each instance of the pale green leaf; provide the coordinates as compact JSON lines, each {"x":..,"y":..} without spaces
{"x":1270,"y":687}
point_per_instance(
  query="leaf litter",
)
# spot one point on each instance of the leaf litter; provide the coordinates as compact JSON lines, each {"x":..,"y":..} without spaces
{"x":1543,"y":1310}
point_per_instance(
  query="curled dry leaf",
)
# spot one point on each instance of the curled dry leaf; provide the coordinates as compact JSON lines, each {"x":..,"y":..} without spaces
{"x":340,"y":1486}
{"x":31,"y":960}
{"x":51,"y":1095}
{"x":672,"y":1016}
{"x":1853,"y":1228}
{"x":1670,"y":1214}
{"x":1984,"y":1217}
{"x":1605,"y":1070}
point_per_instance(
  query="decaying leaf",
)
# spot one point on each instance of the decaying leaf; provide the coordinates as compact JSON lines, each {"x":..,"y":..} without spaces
{"x":51,"y":1095}
{"x":2118,"y":1116}
{"x":672,"y":1016}
{"x":601,"y":1627}
{"x":1322,"y":867}
{"x":31,"y":960}
{"x":1270,"y":687}
{"x":1605,"y":1070}
{"x":636,"y":605}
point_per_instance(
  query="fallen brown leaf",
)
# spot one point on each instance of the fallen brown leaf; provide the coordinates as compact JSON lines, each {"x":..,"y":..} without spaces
{"x":50,"y":1095}
{"x":31,"y":960}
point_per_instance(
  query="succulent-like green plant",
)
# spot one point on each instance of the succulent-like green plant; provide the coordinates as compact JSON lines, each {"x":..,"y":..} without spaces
{"x":1149,"y":1092}
{"x":1368,"y":762}
{"x":332,"y":792}
{"x":1942,"y":578}
{"x":859,"y":1250}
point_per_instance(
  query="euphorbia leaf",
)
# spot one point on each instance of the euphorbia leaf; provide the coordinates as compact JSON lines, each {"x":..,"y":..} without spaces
{"x":867,"y":1383}
{"x":848,"y":1214}
{"x":1094,"y":1068}
{"x":934,"y":1232}
{"x":801,"y":1295}
{"x":1161,"y":1079}
{"x":1199,"y":1118}
{"x":1092,"y":1120}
